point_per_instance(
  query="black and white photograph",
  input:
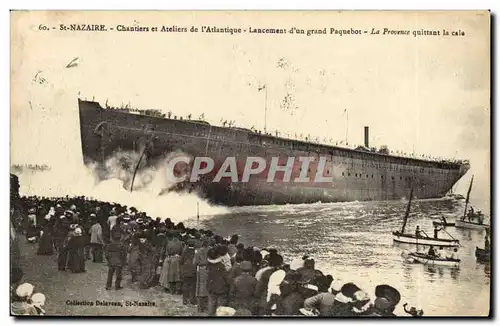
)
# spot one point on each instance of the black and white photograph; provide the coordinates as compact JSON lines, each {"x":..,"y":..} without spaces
{"x":250,"y":163}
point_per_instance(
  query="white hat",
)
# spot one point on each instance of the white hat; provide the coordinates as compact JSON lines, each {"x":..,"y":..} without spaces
{"x":296,"y":264}
{"x":73,"y":207}
{"x":25,"y":290}
{"x":225,"y":311}
{"x":336,"y":285}
{"x":38,"y":299}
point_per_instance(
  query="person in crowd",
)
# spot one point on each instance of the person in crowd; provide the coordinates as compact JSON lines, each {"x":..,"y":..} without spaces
{"x":290,"y":300}
{"x":21,"y":304}
{"x":217,"y":282}
{"x":160,"y":242}
{"x":170,"y":276}
{"x":96,"y":239}
{"x":235,"y":270}
{"x":242,"y":291}
{"x":76,"y":251}
{"x":188,"y":273}
{"x":223,"y":252}
{"x":147,"y":261}
{"x":116,"y":256}
{"x":275,"y":261}
{"x":201,"y":260}
{"x":323,"y":301}
{"x":387,"y":298}
{"x":218,"y":272}
{"x":38,"y":301}
{"x":134,"y":263}
{"x":46,"y":244}
{"x":112,"y":218}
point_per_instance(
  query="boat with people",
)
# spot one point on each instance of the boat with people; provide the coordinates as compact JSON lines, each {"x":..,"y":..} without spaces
{"x":471,"y":225}
{"x":482,"y":255}
{"x":426,"y":259}
{"x":419,"y":237}
{"x":425,"y":241}
{"x":471,"y":219}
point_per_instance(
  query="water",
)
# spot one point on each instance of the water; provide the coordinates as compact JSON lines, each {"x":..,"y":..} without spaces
{"x":353,"y":242}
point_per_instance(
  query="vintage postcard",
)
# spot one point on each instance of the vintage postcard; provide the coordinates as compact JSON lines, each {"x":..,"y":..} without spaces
{"x":250,"y":163}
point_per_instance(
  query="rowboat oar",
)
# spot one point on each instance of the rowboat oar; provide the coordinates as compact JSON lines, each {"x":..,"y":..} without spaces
{"x":451,"y":236}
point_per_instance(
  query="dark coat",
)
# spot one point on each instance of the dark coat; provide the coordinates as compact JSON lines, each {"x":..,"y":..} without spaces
{"x":75,"y":247}
{"x":116,"y":254}
{"x":242,"y":292}
{"x":290,"y":305}
{"x":188,"y":268}
{"x":217,"y":278}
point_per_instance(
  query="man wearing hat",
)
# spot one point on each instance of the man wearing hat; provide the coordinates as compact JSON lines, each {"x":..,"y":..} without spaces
{"x":76,"y":251}
{"x":386,"y":301}
{"x":20,"y":304}
{"x":188,"y":273}
{"x":116,"y":255}
{"x":241,"y":294}
{"x":96,"y":239}
{"x":275,"y":261}
{"x":324,"y":300}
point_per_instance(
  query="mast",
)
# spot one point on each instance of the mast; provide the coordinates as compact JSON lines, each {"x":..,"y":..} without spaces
{"x":468,"y":194}
{"x":198,"y":213}
{"x":407,"y":213}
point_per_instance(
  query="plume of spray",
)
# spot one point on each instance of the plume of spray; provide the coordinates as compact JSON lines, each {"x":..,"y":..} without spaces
{"x":54,"y":140}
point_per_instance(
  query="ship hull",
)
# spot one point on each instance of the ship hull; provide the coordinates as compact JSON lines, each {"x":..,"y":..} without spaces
{"x":355,"y":176}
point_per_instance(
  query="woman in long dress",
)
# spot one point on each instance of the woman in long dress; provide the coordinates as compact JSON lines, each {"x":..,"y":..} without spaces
{"x":46,"y":244}
{"x":76,"y":251}
{"x":147,"y":261}
{"x":134,"y":264}
{"x":200,"y":260}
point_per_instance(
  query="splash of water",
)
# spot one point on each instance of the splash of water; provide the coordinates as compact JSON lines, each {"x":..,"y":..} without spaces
{"x":50,"y":114}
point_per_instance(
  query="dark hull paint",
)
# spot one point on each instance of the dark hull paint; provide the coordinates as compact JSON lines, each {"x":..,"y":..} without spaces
{"x":357,"y":176}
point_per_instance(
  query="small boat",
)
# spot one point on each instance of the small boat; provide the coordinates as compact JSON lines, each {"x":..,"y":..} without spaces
{"x":425,"y":259}
{"x":471,"y":225}
{"x":426,"y":241}
{"x":466,"y":221}
{"x":401,"y":236}
{"x":482,"y":255}
{"x":440,"y":223}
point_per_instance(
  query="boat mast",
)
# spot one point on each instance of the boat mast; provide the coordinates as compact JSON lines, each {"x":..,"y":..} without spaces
{"x":468,"y":194}
{"x":407,"y":213}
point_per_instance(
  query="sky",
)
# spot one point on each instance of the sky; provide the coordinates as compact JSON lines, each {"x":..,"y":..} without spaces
{"x":427,"y":94}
